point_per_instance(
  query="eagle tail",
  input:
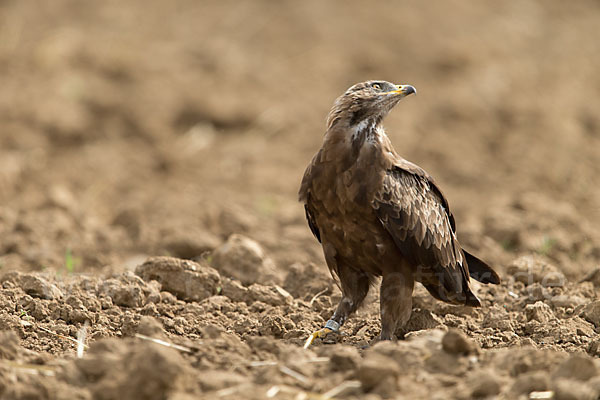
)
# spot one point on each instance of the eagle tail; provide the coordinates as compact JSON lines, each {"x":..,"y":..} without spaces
{"x":465,"y":297}
{"x":472,"y":300}
{"x":480,"y":271}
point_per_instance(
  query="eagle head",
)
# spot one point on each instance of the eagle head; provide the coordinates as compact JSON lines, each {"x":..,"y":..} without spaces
{"x":370,"y":100}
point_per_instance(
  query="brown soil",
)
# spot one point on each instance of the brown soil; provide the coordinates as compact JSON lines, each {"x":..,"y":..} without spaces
{"x":150,"y":154}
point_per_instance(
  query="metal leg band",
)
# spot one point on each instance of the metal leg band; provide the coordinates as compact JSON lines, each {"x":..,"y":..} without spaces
{"x":334,"y":326}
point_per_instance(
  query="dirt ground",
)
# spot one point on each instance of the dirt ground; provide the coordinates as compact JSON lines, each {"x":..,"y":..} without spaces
{"x":150,"y":156}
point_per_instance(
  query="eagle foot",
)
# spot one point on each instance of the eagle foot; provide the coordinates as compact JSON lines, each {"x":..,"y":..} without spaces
{"x":330,"y":327}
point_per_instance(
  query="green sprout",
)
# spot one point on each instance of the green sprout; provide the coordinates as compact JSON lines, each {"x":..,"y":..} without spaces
{"x":509,"y":244}
{"x":70,"y":262}
{"x":547,"y":245}
{"x":24,"y":315}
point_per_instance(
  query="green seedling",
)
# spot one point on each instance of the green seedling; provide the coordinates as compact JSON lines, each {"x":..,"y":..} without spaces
{"x":70,"y":262}
{"x":547,"y":245}
{"x":509,"y":244}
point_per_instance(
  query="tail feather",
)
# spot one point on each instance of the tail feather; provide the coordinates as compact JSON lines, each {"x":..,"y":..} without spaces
{"x":480,"y":271}
{"x":466,"y":297}
{"x":472,"y":300}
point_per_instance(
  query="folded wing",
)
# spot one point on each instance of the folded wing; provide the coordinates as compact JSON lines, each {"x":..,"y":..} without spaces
{"x":415,"y":213}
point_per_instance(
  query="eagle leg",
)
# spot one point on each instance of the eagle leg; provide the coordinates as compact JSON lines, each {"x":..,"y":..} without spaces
{"x":395,"y":301}
{"x":355,"y":286}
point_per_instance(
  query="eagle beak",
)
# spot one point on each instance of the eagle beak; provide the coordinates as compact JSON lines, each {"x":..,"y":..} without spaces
{"x":404,"y":90}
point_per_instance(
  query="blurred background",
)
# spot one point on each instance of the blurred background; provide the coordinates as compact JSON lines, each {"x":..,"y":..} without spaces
{"x":137,"y":128}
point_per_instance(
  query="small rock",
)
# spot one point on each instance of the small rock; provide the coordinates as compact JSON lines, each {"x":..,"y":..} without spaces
{"x":275,"y":325}
{"x":123,"y":294}
{"x":536,"y":381}
{"x":455,"y":342}
{"x":566,"y":389}
{"x":446,"y":363}
{"x":244,"y":259}
{"x":38,"y":310}
{"x":577,"y":367}
{"x":497,"y":317}
{"x":519,"y":361}
{"x":136,"y":369}
{"x":531,"y":269}
{"x":168,"y":298}
{"x":375,"y":369}
{"x":305,"y":281}
{"x":130,"y":323}
{"x":594,"y":383}
{"x":344,"y":358}
{"x":131,"y":220}
{"x":593,"y":277}
{"x":186,"y":279}
{"x":150,"y":326}
{"x":484,"y":384}
{"x":188,"y":244}
{"x":33,"y":285}
{"x":231,"y":220}
{"x":266,"y":294}
{"x":594,"y":348}
{"x":62,"y":197}
{"x":150,"y":309}
{"x":567,"y":301}
{"x":215,"y":379}
{"x":539,"y":311}
{"x":420,"y":319}
{"x":591,"y":313}
{"x":537,"y":292}
{"x":234,"y":290}
{"x":211,"y":331}
{"x":582,"y":327}
{"x":410,"y":353}
{"x":9,"y":345}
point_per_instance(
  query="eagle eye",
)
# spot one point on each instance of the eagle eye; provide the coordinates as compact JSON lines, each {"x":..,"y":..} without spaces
{"x":376,"y":86}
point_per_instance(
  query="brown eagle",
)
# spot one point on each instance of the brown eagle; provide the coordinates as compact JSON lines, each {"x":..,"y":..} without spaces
{"x":377,"y":214}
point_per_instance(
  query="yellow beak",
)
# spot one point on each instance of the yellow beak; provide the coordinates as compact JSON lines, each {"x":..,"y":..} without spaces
{"x":404,"y":90}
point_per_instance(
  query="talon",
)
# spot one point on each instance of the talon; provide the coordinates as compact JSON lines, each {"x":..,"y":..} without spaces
{"x":330,"y":326}
{"x":318,"y":334}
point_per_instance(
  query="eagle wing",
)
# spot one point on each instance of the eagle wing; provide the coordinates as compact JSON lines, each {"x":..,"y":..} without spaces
{"x":415,"y":213}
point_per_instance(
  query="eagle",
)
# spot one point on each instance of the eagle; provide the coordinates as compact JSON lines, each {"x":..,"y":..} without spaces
{"x":379,"y":215}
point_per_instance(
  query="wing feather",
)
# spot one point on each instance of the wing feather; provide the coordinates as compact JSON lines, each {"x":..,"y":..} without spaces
{"x":312,"y":223}
{"x":415,"y":213}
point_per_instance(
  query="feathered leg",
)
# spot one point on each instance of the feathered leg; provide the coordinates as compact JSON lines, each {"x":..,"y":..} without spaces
{"x":355,"y":286}
{"x":395,"y":301}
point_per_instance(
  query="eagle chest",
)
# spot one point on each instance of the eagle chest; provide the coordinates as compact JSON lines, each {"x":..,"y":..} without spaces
{"x":347,"y":219}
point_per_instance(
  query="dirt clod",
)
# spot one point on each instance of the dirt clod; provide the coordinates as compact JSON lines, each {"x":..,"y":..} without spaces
{"x":188,"y":280}
{"x":123,"y":294}
{"x":539,"y":312}
{"x":455,"y":342}
{"x":530,"y":269}
{"x":244,"y":259}
{"x":150,"y":371}
{"x":591,"y":312}
{"x":577,"y":367}
{"x":344,"y":358}
{"x":537,"y":381}
{"x":9,"y":345}
{"x":190,"y":244}
{"x":484,"y":384}
{"x":376,"y":371}
{"x":33,"y":285}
